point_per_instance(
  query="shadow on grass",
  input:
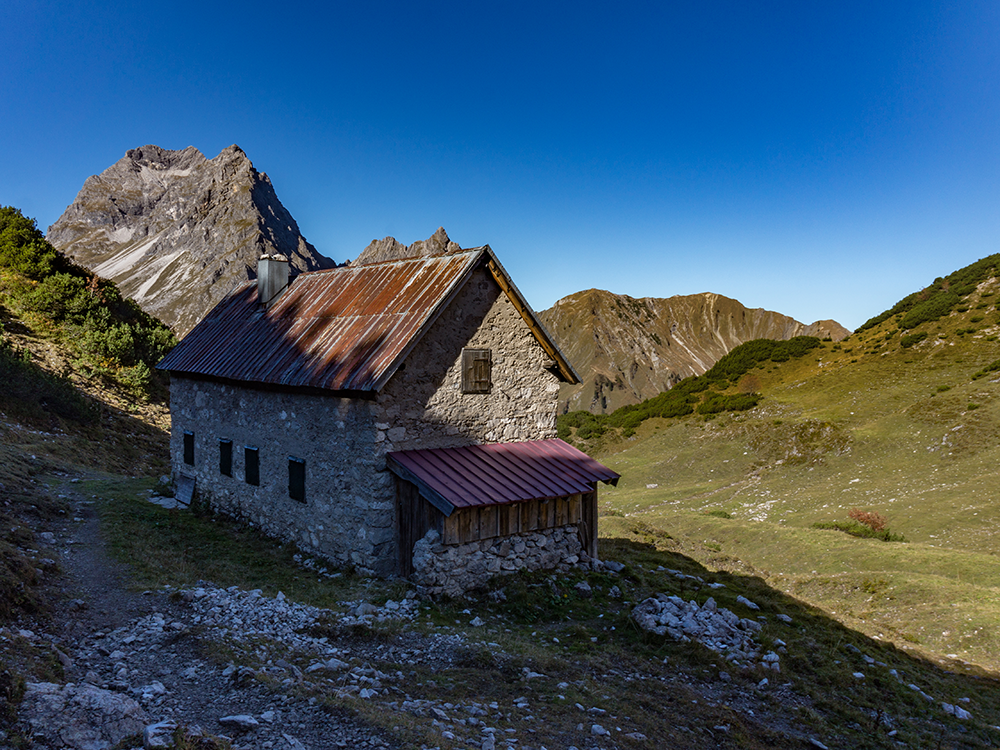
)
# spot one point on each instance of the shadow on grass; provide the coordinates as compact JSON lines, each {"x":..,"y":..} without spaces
{"x":823,"y":658}
{"x":583,"y":636}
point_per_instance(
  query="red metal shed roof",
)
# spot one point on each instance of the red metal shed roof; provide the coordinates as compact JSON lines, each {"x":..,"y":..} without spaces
{"x":342,"y":329}
{"x":498,"y":473}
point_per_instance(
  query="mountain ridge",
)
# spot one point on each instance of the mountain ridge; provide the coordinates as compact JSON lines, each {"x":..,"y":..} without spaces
{"x":634,"y":348}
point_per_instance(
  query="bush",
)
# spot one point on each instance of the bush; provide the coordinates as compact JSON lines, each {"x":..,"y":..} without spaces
{"x":871,"y":519}
{"x":937,"y":305}
{"x":991,"y":367}
{"x":23,"y":248}
{"x":912,"y":338}
{"x":113,"y":334}
{"x":717,"y":403}
{"x":940,"y":297}
{"x":860,"y":530}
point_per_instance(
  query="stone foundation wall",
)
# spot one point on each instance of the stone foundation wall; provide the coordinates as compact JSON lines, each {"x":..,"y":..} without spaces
{"x":453,"y":569}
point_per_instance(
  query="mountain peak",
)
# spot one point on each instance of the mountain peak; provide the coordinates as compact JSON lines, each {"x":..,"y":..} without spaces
{"x":176,"y":231}
{"x":389,"y":248}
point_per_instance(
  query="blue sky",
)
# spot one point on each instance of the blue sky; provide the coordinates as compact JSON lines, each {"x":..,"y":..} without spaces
{"x":820,"y":160}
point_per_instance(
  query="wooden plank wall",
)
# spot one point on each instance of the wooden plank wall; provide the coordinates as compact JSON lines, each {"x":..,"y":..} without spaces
{"x":487,"y":522}
{"x":588,"y":524}
{"x":414,"y":518}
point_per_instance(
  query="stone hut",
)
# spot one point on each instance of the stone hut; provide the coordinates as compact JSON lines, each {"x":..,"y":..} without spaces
{"x":396,"y":415}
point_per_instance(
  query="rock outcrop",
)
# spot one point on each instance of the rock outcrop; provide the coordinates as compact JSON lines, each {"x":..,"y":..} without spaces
{"x":389,"y":248}
{"x":627,"y":350}
{"x":176,"y":231}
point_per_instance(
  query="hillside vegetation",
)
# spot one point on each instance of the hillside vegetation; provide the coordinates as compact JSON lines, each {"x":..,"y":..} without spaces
{"x":46,"y":297}
{"x":708,"y":394}
{"x":900,"y":420}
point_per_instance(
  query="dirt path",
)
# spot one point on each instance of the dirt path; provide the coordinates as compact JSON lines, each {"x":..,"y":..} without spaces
{"x":145,"y":646}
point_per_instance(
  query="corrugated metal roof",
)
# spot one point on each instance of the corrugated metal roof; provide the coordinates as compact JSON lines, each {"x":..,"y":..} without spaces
{"x":342,"y":329}
{"x":498,"y":473}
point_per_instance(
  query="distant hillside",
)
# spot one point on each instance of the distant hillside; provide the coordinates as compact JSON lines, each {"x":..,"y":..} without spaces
{"x":176,"y":231}
{"x":901,"y":420}
{"x":627,"y":350}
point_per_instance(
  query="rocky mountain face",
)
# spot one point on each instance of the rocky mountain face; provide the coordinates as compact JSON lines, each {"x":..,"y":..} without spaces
{"x":390,"y":248}
{"x":176,"y":231}
{"x":627,"y":350}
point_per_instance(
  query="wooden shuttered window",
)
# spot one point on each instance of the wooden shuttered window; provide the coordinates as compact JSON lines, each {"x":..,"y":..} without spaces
{"x":477,"y":370}
{"x":226,"y":457}
{"x":251,"y":459}
{"x":297,"y":479}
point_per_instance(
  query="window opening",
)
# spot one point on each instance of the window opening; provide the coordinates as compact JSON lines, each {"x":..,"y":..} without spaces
{"x":226,"y":457}
{"x":297,"y":479}
{"x":189,"y":447}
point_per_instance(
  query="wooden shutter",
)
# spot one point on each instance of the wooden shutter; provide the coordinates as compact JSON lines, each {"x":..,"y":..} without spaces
{"x":477,"y":370}
{"x":251,"y":457}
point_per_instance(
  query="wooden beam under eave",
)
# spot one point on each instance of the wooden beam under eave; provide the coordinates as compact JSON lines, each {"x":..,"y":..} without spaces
{"x":539,"y":333}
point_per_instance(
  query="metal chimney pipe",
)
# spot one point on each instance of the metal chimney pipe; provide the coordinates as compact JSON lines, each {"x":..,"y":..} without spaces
{"x":272,"y":278}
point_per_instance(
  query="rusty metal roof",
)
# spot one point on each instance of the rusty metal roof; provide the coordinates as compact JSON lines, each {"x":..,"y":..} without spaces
{"x":498,"y":473}
{"x":341,"y":329}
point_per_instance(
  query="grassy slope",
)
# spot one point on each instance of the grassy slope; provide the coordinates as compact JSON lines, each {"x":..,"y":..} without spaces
{"x":886,"y":429}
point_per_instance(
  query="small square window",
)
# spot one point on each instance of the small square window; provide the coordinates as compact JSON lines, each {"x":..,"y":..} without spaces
{"x":226,"y":457}
{"x":477,"y":367}
{"x":297,"y":479}
{"x":251,"y":458}
{"x":189,"y":447}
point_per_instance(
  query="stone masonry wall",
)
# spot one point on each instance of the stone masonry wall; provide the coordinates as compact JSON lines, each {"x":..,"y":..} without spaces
{"x":423,"y":405}
{"x":349,"y":512}
{"x":453,"y":569}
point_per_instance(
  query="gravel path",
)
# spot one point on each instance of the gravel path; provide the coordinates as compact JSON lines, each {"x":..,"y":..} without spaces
{"x":152,"y":649}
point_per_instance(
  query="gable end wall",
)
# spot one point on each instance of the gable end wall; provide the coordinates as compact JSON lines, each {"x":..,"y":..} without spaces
{"x":423,"y":405}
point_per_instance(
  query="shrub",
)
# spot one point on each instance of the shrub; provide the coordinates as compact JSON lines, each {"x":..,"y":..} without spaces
{"x":717,"y":513}
{"x":113,"y":334}
{"x":939,"y":298}
{"x":871,"y":519}
{"x":718,"y":403}
{"x":991,"y":367}
{"x":60,"y":297}
{"x":23,"y":248}
{"x":860,"y":530}
{"x":912,"y":338}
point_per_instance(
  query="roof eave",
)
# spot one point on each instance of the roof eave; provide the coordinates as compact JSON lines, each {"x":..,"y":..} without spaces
{"x":431,"y":495}
{"x":538,"y":330}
